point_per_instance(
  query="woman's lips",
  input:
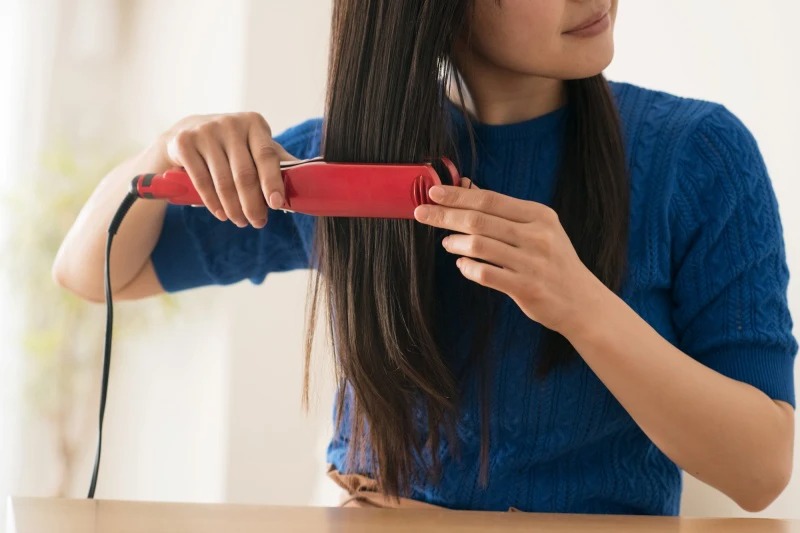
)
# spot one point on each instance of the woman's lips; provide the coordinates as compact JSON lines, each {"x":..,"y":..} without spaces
{"x":593,"y":28}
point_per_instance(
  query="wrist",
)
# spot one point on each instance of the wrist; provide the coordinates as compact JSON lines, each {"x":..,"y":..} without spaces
{"x":590,"y":311}
{"x":154,"y":156}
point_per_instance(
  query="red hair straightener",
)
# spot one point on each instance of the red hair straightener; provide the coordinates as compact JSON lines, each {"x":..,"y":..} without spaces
{"x":312,"y":186}
{"x":316,"y":187}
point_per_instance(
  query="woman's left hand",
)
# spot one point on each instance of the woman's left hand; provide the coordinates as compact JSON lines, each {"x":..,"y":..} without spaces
{"x":530,"y":257}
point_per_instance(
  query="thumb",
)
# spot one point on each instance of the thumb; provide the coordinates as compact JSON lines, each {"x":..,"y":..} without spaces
{"x":283,"y":154}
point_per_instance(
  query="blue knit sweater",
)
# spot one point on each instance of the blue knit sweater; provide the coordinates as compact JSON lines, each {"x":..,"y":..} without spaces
{"x":707,"y":270}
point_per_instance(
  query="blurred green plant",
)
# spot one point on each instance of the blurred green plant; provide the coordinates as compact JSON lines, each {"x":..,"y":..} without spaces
{"x":62,"y":335}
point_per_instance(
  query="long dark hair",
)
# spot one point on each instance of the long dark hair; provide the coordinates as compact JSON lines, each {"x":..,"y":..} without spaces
{"x":390,"y":64}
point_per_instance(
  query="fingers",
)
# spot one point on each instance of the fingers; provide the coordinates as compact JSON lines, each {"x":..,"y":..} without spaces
{"x":485,"y":248}
{"x":246,"y":181}
{"x":233,"y":163}
{"x":268,"y":155}
{"x":221,"y":174}
{"x":490,"y":202}
{"x":488,"y":275}
{"x":469,"y":222}
{"x":183,"y":152}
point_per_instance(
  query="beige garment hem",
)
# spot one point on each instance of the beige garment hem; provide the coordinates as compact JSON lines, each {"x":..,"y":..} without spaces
{"x":362,"y":491}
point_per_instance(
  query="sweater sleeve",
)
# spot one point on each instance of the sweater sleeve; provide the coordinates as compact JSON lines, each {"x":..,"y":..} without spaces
{"x":196,"y":249}
{"x":729,"y":267}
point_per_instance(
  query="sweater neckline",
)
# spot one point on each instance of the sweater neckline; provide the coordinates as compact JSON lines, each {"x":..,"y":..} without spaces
{"x":528,"y":129}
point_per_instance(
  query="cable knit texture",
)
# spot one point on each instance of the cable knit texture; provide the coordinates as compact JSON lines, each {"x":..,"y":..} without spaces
{"x":707,"y":270}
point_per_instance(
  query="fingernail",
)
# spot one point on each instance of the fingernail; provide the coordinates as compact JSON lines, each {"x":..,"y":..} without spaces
{"x":436,"y":192}
{"x":260,"y":222}
{"x":220,"y":214}
{"x":275,"y":200}
{"x":422,"y":212}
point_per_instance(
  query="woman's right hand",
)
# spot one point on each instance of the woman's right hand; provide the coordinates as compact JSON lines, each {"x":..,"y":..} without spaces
{"x":233,"y":162}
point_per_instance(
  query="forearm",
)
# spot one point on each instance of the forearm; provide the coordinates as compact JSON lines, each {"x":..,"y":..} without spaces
{"x":722,"y":431}
{"x":80,"y":260}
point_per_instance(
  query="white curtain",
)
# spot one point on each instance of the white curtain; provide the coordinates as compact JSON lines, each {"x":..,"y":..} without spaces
{"x":28,"y":30}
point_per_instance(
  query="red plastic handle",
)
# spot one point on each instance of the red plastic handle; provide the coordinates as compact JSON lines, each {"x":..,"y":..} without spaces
{"x":316,"y":187}
{"x":174,"y":185}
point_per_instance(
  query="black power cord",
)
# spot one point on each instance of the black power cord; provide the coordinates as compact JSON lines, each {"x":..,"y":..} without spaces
{"x":123,"y":209}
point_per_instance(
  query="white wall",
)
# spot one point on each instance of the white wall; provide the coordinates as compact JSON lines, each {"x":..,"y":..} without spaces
{"x":744,"y":55}
{"x":167,"y":412}
{"x":276,"y":452}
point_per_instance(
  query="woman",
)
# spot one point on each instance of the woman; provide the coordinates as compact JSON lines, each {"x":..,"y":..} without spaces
{"x":607,"y":310}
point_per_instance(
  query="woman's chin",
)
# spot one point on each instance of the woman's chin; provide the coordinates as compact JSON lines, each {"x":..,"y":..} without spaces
{"x":587,"y":65}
